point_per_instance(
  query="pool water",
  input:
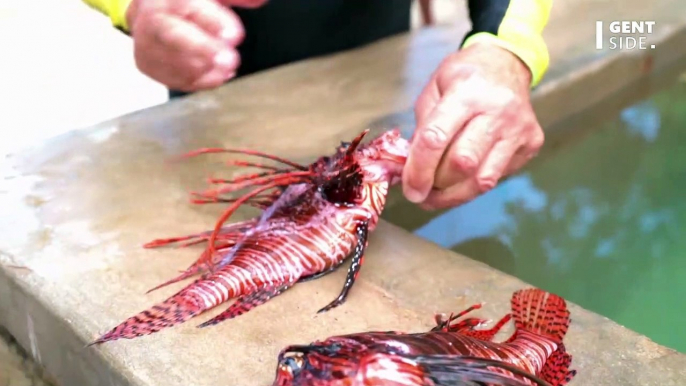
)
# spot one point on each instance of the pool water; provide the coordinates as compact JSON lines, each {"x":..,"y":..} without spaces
{"x":602,"y":222}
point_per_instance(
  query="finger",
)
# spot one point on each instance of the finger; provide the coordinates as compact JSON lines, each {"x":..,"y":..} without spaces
{"x":184,"y":53}
{"x":216,"y":20}
{"x":453,"y":196}
{"x":495,"y":165}
{"x":425,"y":103}
{"x":431,"y":141}
{"x":177,"y":36}
{"x":184,"y":73}
{"x":526,"y":152}
{"x":163,"y":71}
{"x":468,"y":151}
{"x":214,"y":78}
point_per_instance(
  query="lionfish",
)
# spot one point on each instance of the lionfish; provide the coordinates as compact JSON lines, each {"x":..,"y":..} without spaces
{"x":452,"y":353}
{"x":312,"y":219}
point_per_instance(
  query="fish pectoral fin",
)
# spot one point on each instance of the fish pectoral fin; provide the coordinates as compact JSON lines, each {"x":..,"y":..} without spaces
{"x":355,"y":265}
{"x":445,"y":370}
{"x":556,"y":369}
{"x":247,"y":302}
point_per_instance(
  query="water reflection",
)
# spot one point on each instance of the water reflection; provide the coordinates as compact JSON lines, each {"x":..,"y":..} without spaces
{"x":597,"y":223}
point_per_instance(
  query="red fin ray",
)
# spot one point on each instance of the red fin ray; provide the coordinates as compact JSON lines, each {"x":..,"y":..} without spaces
{"x":229,"y":232}
{"x":230,"y":210}
{"x":489,"y":335}
{"x":541,"y":313}
{"x":556,"y":369}
{"x":446,"y":324}
{"x":276,"y":180}
{"x":211,"y":150}
{"x":468,"y":326}
{"x":546,"y":315}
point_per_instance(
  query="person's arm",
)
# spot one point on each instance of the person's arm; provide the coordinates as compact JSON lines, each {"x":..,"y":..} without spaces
{"x":114,"y":9}
{"x":515,"y":25}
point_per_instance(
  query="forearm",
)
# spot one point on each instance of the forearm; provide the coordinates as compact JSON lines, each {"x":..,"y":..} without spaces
{"x":516,"y":25}
{"x":114,"y":9}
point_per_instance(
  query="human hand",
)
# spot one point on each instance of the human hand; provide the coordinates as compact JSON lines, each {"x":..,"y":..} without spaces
{"x":475,"y":124}
{"x":187,"y":45}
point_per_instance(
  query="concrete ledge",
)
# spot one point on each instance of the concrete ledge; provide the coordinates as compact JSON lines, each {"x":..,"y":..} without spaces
{"x":77,"y":208}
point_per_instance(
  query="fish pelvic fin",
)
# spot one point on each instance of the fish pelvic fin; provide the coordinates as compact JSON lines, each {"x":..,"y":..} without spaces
{"x":541,"y":313}
{"x":175,"y":310}
{"x":556,"y":369}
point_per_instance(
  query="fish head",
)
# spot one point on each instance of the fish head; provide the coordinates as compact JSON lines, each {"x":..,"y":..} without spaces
{"x":383,"y":158}
{"x":345,"y":361}
{"x":318,"y":364}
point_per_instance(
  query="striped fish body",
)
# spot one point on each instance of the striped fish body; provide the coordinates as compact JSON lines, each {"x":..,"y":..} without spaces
{"x":526,"y":351}
{"x":301,"y":236}
{"x":318,"y":239}
{"x":453,"y":354}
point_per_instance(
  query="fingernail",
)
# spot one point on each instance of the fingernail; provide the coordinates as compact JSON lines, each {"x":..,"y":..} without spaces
{"x":224,"y":59}
{"x":414,"y":196}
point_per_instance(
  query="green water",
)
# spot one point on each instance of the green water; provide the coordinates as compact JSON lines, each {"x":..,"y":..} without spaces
{"x":602,"y":222}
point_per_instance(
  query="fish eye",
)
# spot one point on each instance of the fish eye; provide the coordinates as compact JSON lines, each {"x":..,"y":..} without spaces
{"x":293,"y":362}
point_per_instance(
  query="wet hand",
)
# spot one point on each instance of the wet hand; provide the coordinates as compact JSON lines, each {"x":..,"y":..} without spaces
{"x":187,"y":45}
{"x":475,"y":124}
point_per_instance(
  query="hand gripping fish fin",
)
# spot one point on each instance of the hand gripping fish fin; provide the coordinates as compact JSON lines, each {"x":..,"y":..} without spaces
{"x":247,"y":302}
{"x":451,"y":370}
{"x":545,"y":314}
{"x":354,"y":270}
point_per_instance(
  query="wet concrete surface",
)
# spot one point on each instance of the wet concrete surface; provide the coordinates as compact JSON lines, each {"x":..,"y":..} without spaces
{"x":79,"y":207}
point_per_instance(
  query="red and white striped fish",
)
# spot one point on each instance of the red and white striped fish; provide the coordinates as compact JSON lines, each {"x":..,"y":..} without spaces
{"x":314,"y":218}
{"x":450,"y":354}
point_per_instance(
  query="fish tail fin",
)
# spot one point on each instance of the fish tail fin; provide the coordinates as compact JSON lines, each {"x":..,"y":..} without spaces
{"x":175,"y":310}
{"x":541,"y":313}
{"x":556,"y":369}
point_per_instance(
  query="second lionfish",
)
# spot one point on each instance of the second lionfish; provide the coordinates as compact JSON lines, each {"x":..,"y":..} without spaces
{"x":452,"y":353}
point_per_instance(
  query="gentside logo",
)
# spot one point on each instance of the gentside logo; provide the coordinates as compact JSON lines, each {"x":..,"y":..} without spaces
{"x":624,"y":35}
